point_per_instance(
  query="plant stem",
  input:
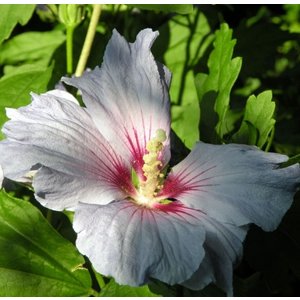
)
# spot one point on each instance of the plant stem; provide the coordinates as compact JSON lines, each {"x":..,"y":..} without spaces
{"x":270,"y":140}
{"x":94,"y":293}
{"x":69,"y":52}
{"x":86,"y":49}
{"x":99,"y":278}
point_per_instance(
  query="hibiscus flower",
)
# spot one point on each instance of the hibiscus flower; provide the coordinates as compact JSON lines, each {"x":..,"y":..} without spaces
{"x":136,"y":218}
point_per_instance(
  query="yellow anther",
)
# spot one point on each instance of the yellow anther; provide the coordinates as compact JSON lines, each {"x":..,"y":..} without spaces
{"x":149,"y":158}
{"x":152,"y":166}
{"x":154,"y":146}
{"x":150,"y":169}
{"x":161,"y":135}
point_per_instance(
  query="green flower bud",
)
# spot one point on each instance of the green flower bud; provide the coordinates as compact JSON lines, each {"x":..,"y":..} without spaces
{"x":70,"y":14}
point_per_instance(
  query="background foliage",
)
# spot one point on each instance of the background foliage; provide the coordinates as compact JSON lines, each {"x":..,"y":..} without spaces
{"x":236,"y":73}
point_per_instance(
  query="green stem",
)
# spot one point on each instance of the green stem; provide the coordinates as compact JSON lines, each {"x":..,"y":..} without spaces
{"x":270,"y":141}
{"x":86,"y":49}
{"x":100,"y":279}
{"x":293,"y":160}
{"x":69,"y":52}
{"x":93,"y":293}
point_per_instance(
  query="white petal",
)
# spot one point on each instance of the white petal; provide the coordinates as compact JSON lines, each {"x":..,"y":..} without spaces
{"x":132,"y":243}
{"x":60,"y":94}
{"x":58,"y":191}
{"x":59,"y":134}
{"x":223,"y":249}
{"x":237,"y":184}
{"x":128,"y":96}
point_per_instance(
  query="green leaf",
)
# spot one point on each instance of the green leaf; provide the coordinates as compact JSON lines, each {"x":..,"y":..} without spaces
{"x":184,"y":120}
{"x":11,"y":15}
{"x":112,"y":289}
{"x":258,"y":121}
{"x":214,"y":88}
{"x":162,"y":289}
{"x":293,"y":160}
{"x":16,"y":86}
{"x":169,"y":8}
{"x":189,"y":37}
{"x":35,"y":260}
{"x":30,"y":47}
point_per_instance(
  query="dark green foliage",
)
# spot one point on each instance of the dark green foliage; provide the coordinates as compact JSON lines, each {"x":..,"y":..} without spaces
{"x":33,"y":258}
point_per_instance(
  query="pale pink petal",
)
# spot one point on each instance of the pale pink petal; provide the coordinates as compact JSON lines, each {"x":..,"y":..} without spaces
{"x":60,"y":135}
{"x":133,"y":243}
{"x":236,"y":184}
{"x":58,"y":190}
{"x":223,"y":250}
{"x":128,"y":96}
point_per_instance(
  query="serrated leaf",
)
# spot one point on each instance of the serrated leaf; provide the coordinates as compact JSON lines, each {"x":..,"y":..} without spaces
{"x":30,"y":47}
{"x":214,"y":88}
{"x":171,"y":8}
{"x":258,"y":121}
{"x":35,"y":260}
{"x":189,"y":37}
{"x":112,"y":289}
{"x":11,"y":15}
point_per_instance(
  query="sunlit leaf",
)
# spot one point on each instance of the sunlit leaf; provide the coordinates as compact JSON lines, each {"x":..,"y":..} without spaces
{"x":184,"y":120}
{"x":214,"y":88}
{"x":16,"y":86}
{"x":112,"y":289}
{"x":258,"y":120}
{"x":31,"y":47}
{"x":11,"y":15}
{"x":35,"y":260}
{"x":189,"y":37}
